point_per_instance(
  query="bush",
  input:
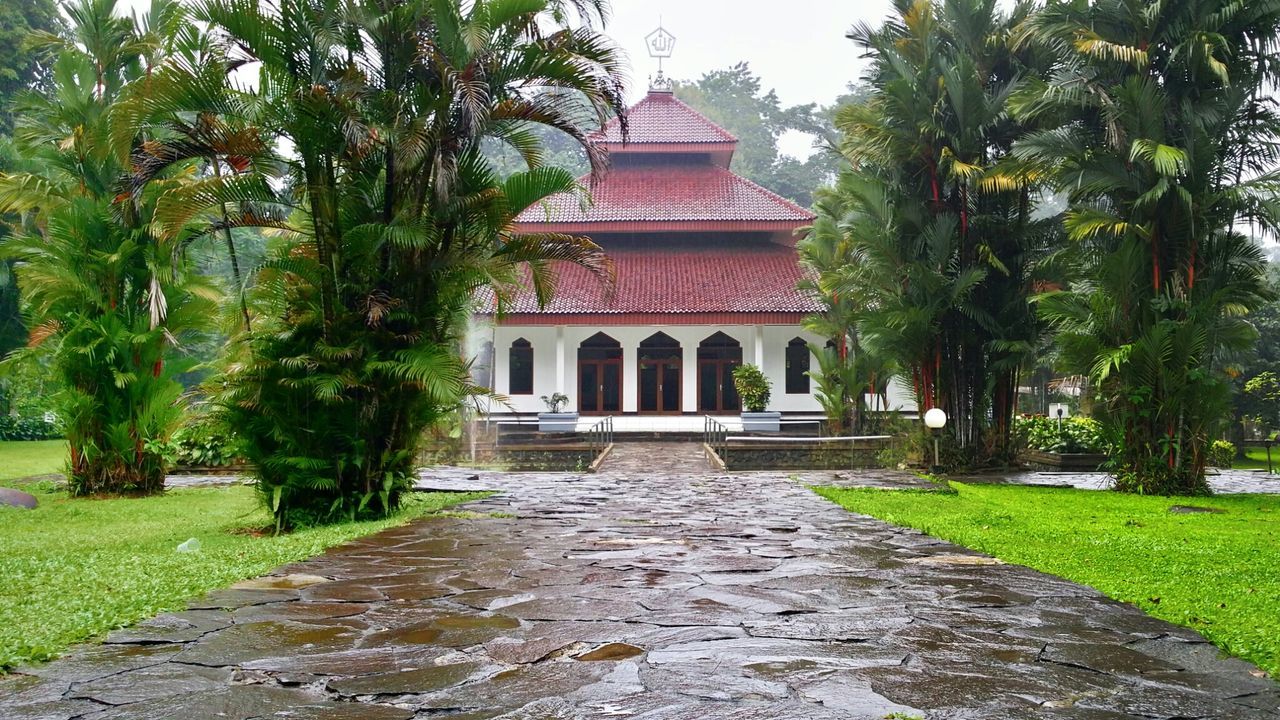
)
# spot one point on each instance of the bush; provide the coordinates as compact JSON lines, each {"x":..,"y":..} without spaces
{"x":1075,"y":435}
{"x":25,"y":428}
{"x":203,"y":441}
{"x":1221,"y":454}
{"x":753,"y":387}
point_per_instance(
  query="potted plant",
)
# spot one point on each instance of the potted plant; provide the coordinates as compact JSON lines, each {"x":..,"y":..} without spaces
{"x":754,"y":389}
{"x":555,"y":419}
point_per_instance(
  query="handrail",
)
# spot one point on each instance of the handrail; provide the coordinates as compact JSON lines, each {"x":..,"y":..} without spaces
{"x":714,"y":435}
{"x":600,"y":435}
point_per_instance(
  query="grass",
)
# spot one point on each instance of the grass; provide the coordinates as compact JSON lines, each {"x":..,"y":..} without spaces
{"x":1256,"y":459}
{"x":1215,"y":573}
{"x":74,"y":569}
{"x":37,"y":457}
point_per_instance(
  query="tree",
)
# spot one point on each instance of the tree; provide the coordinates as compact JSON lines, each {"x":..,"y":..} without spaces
{"x":111,"y":296}
{"x":392,"y":220}
{"x":733,"y":99}
{"x":1262,"y":357}
{"x":19,"y":68}
{"x":19,"y":71}
{"x":944,"y":245}
{"x":846,"y":370}
{"x":1163,"y":139}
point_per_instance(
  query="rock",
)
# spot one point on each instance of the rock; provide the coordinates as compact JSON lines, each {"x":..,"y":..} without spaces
{"x":420,"y":680}
{"x":17,"y":498}
{"x":1193,"y":509}
{"x":292,"y":581}
{"x":610,"y":651}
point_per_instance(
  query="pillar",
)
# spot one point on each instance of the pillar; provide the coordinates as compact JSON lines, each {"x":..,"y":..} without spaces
{"x":561,"y":368}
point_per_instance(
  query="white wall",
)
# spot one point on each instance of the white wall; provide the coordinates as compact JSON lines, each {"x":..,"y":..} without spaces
{"x":555,"y":359}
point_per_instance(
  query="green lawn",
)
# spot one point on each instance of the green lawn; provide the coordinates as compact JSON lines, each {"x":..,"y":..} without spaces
{"x":74,"y":569}
{"x":36,"y":457}
{"x":1256,"y":459}
{"x":1216,"y":573}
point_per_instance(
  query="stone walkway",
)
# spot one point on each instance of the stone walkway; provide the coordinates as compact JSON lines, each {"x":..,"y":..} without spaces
{"x":645,"y":592}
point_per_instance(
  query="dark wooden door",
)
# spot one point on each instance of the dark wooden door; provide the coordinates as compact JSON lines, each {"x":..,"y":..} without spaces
{"x":660,"y":386}
{"x":716,"y":391}
{"x":599,"y":386}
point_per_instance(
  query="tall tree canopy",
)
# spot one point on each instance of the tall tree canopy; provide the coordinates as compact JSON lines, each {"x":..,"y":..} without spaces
{"x":941,"y":242}
{"x":735,"y":100}
{"x":392,"y":219}
{"x":102,"y":284}
{"x":1164,"y":139}
{"x":20,"y":68}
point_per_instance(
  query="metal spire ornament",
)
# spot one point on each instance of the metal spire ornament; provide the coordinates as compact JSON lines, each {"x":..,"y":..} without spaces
{"x":660,"y":44}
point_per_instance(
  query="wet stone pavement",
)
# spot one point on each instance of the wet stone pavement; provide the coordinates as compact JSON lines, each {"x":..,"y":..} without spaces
{"x":653,"y":590}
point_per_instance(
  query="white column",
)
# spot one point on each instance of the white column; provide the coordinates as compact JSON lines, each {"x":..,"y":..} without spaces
{"x":561,"y":369}
{"x":759,"y":342}
{"x":689,"y":373}
{"x":630,"y":374}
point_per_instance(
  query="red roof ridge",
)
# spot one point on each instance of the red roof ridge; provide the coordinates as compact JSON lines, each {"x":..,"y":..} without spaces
{"x":668,"y":130}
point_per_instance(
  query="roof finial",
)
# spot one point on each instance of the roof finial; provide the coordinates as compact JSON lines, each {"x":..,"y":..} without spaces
{"x":660,"y":44}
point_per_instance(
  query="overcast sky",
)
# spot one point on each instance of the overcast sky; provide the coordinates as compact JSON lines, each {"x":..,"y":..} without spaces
{"x":797,"y":48}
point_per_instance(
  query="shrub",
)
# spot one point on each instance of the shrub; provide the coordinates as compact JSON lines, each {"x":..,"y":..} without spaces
{"x":205,"y":442}
{"x":1221,"y":454}
{"x":1072,"y":435}
{"x":26,"y":428}
{"x":753,"y":387}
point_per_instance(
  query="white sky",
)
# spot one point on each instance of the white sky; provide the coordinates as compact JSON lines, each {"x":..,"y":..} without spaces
{"x":797,"y":48}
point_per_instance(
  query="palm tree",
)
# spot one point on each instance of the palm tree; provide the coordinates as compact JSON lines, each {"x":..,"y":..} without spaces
{"x":390,"y":220}
{"x":830,"y":251}
{"x":941,"y":215}
{"x":1165,"y":145}
{"x":109,"y":297}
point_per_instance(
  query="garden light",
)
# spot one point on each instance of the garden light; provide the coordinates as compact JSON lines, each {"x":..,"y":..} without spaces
{"x":935,"y":419}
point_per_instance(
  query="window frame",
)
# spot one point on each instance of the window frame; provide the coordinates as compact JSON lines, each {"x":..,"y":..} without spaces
{"x":522,"y":350}
{"x":794,"y":345}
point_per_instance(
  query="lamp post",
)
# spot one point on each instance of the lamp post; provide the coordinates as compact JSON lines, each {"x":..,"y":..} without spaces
{"x":935,"y":419}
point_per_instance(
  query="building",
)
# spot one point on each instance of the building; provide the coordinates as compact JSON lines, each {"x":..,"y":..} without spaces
{"x":707,"y":275}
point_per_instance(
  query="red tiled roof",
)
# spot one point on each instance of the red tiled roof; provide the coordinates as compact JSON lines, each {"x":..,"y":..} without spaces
{"x":661,"y":119}
{"x":744,"y":279}
{"x":669,"y":193}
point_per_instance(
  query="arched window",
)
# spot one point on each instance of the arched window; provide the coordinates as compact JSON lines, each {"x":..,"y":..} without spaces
{"x":797,"y":367}
{"x":520,"y":368}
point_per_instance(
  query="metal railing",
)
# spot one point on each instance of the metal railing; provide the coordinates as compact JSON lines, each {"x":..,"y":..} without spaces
{"x":600,"y":435}
{"x":714,"y":435}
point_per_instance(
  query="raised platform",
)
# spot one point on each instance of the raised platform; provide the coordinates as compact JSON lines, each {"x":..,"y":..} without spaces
{"x":690,"y":425}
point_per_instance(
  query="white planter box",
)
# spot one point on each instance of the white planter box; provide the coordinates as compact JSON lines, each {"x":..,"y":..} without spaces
{"x":557,"y":422}
{"x":761,"y":421}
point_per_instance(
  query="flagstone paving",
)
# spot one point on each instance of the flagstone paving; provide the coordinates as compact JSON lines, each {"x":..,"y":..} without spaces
{"x":653,"y":590}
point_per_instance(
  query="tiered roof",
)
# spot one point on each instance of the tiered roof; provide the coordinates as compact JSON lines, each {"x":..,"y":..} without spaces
{"x":691,"y":241}
{"x":679,"y":281}
{"x":652,"y":197}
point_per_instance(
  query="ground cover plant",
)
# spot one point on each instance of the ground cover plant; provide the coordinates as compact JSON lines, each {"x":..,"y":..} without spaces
{"x":1212,"y":572}
{"x":76,"y":568}
{"x":28,"y":458}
